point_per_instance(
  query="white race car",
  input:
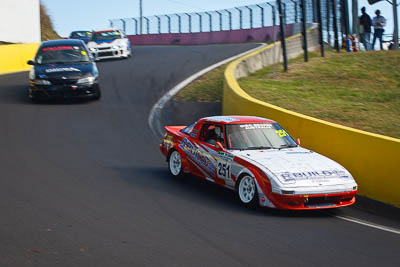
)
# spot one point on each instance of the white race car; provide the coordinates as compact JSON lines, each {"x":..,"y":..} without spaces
{"x":109,"y":44}
{"x":258,"y":159}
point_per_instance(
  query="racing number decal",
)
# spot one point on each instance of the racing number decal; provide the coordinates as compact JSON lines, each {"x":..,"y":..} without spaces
{"x":282,"y":133}
{"x":224,"y":170}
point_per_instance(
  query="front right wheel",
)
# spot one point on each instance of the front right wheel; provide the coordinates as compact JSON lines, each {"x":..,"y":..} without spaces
{"x":175,"y":163}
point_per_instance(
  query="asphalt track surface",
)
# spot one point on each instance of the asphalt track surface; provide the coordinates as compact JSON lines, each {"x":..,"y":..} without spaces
{"x":84,"y":184}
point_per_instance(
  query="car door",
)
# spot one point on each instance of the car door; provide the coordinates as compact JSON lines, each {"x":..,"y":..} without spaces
{"x":210,"y":134}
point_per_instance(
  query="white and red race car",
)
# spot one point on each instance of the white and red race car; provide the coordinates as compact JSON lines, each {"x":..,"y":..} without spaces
{"x":111,"y":43}
{"x":258,"y":159}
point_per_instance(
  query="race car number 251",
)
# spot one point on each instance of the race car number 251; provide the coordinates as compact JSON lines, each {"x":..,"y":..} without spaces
{"x":224,"y":170}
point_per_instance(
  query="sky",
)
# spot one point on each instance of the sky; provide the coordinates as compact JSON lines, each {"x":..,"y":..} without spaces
{"x":73,"y":15}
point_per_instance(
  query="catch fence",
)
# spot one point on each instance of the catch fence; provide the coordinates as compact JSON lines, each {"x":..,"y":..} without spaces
{"x":260,"y":15}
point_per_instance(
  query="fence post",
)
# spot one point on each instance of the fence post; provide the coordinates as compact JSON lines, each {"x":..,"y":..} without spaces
{"x":169,"y":23}
{"x":220,"y":20}
{"x":190,"y":22}
{"x":200,"y":22}
{"x":328,"y":18}
{"x":262,"y":15}
{"x":230,"y":19}
{"x":314,"y":13}
{"x":273,"y":14}
{"x":210,"y":20}
{"x":321,"y":38}
{"x":396,"y":27}
{"x":159,"y":24}
{"x":283,"y":41}
{"x":141,"y":16}
{"x":136,"y":25}
{"x":147,"y":24}
{"x":123,"y":25}
{"x":335,"y":26}
{"x":251,"y":16}
{"x":304,"y":30}
{"x":345,"y":15}
{"x":284,"y":13}
{"x":179,"y":23}
{"x":296,"y":17}
{"x":240,"y":18}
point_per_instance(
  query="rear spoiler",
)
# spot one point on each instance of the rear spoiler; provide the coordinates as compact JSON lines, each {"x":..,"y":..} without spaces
{"x":173,"y":129}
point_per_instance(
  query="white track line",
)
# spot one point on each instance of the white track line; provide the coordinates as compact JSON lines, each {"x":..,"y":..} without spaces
{"x":369,"y":224}
{"x":154,"y":121}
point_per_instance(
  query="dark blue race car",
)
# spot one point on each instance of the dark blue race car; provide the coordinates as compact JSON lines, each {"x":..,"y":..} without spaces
{"x":63,"y":69}
{"x":85,"y":36}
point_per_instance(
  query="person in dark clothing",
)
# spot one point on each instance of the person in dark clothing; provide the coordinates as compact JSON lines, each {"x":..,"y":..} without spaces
{"x":365,"y":29}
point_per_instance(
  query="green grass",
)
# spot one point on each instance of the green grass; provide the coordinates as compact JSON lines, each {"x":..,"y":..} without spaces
{"x":207,"y":88}
{"x":360,"y":90}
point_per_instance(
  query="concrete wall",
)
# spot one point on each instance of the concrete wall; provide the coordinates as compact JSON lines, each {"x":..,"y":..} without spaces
{"x":20,"y":21}
{"x":372,"y":159}
{"x":266,"y":34}
{"x":13,"y":58}
{"x":273,"y":54}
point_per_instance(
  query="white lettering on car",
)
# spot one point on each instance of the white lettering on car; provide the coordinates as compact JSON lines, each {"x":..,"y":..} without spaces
{"x":62,"y":69}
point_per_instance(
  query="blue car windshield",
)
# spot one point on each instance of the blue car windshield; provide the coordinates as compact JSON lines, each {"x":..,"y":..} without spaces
{"x":62,"y":54}
{"x":81,"y":34}
{"x":258,"y":136}
{"x":106,"y":35}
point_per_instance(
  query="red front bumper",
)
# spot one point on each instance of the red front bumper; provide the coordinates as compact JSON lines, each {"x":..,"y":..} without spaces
{"x":317,"y":201}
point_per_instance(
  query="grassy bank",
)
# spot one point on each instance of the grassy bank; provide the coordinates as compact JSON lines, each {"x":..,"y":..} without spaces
{"x":46,"y":25}
{"x":360,"y":90}
{"x":207,"y":88}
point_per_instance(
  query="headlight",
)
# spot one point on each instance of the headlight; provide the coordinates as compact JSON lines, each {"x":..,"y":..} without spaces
{"x":116,"y":46}
{"x":86,"y":80}
{"x":91,"y":49}
{"x":42,"y":82}
{"x":287,"y":192}
{"x":32,"y":74}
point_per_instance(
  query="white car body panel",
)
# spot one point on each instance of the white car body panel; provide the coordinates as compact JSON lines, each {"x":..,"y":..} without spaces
{"x":300,"y":170}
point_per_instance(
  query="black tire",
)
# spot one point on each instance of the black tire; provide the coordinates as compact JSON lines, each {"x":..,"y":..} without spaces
{"x":97,"y":95}
{"x":175,"y":163}
{"x":33,"y":98}
{"x":246,"y":191}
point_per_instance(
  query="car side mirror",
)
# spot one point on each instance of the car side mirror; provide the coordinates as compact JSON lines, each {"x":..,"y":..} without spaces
{"x":298,"y":141}
{"x":219,"y":146}
{"x":30,"y":62}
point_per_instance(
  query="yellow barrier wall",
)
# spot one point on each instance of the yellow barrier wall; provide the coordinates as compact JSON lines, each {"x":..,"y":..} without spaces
{"x":13,"y":57}
{"x":373,"y":160}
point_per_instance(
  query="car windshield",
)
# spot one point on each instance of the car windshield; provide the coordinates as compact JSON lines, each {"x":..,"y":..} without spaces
{"x":106,"y":35}
{"x":258,"y":136}
{"x":81,"y":34}
{"x":62,"y":54}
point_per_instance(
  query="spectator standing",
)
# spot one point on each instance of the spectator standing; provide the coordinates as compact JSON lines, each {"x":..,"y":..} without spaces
{"x":365,"y":29}
{"x":379,"y":23}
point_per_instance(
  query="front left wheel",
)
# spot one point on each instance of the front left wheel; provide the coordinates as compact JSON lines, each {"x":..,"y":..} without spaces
{"x":175,"y":163}
{"x":97,"y":94}
{"x":247,"y":191}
